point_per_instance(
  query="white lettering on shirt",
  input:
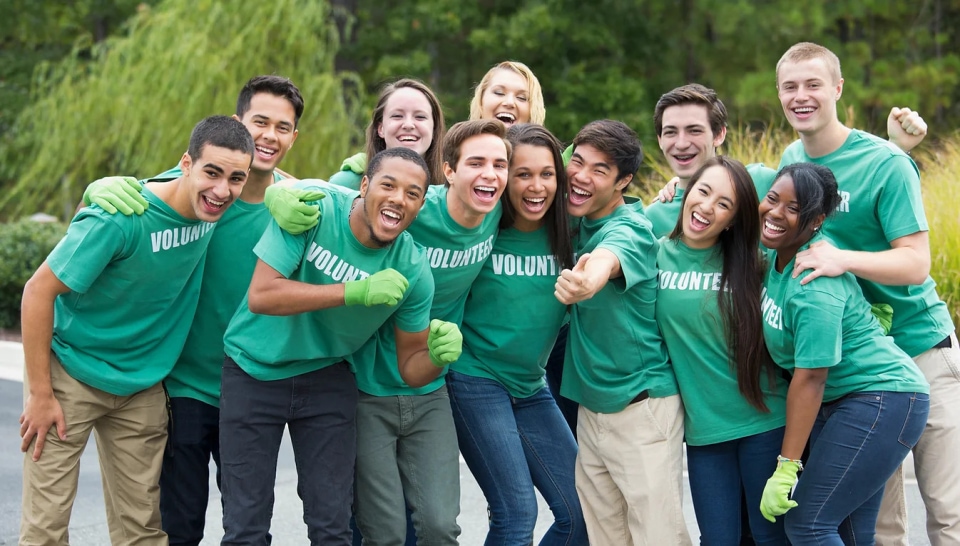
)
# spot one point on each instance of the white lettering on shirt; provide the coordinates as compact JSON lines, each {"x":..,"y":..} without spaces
{"x":333,"y":266}
{"x":176,"y":237}
{"x":445,"y":258}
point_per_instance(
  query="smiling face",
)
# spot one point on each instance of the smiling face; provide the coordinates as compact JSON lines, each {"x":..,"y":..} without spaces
{"x":215,"y":180}
{"x":271,"y":120}
{"x":709,"y":207}
{"x":686,"y":138}
{"x":808,"y":93}
{"x":391,"y":201}
{"x":594,"y":189}
{"x":532,"y":185}
{"x":407,"y":120}
{"x":506,"y":98}
{"x":780,"y":220}
{"x":479,"y":179}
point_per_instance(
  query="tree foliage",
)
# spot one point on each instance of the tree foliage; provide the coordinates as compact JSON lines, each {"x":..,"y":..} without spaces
{"x":131,"y":108}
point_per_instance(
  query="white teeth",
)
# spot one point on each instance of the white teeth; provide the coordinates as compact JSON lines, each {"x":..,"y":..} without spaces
{"x":578,"y":191}
{"x":505,"y":117}
{"x":266,"y":151}
{"x":535,"y":200}
{"x":408,"y":139}
{"x":486,"y":188}
{"x":391,"y":214}
{"x":701,"y":219}
{"x":214,"y":203}
{"x":804,"y":110}
{"x":771,"y":227}
{"x":683,"y":157}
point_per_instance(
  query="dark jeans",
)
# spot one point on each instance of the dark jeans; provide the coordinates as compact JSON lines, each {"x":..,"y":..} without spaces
{"x":722,"y":475}
{"x":319,"y":408}
{"x":568,"y":408}
{"x":513,"y":445}
{"x":857,"y":443}
{"x":194,"y":437}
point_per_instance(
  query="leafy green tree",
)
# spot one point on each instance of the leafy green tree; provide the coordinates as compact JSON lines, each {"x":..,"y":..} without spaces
{"x":130,"y":109}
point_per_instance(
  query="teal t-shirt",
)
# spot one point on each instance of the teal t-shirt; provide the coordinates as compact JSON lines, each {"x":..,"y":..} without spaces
{"x":827,"y":323}
{"x":614,"y":348}
{"x":278,"y":347}
{"x":688,"y":314}
{"x":134,"y":283}
{"x":880,"y":201}
{"x":351,"y":172}
{"x":512,"y":318}
{"x":663,"y":216}
{"x":226,"y":276}
{"x":455,"y":255}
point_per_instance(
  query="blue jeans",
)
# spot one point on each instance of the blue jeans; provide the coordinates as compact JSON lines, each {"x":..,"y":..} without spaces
{"x":857,"y":443}
{"x":194,"y":437}
{"x":320,"y":409}
{"x":511,"y":446}
{"x":721,"y":475}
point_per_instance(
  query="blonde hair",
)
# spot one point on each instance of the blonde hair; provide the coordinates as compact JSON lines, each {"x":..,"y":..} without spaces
{"x":805,"y":51}
{"x":538,"y":112}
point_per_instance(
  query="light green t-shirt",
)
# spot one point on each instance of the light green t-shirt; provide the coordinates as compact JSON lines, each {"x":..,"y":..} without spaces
{"x":689,"y":318}
{"x":456,"y":255}
{"x":827,"y":323}
{"x":614,"y":348}
{"x":512,"y":318}
{"x":880,"y":201}
{"x":134,"y":282}
{"x":663,"y":216}
{"x":278,"y":347}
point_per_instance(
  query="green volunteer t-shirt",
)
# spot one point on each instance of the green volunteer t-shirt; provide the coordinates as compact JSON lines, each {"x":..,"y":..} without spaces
{"x":512,"y":318}
{"x":663,"y":216}
{"x":133,"y":282}
{"x":614,"y":348}
{"x":278,"y":347}
{"x":880,"y":201}
{"x":827,"y":323}
{"x":689,"y":318}
{"x":226,"y":276}
{"x":456,"y":255}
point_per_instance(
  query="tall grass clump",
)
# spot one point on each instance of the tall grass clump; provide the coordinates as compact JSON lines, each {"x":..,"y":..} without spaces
{"x":127,"y":105}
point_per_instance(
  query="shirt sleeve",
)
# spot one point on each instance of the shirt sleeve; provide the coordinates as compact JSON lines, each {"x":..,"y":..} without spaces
{"x":900,"y":204}
{"x":635,"y":247}
{"x":281,"y":250}
{"x":817,"y":319}
{"x":413,"y":315}
{"x":91,"y":243}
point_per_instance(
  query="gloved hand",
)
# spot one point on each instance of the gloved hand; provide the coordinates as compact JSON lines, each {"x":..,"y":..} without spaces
{"x":291,"y":209}
{"x":382,"y":288}
{"x":116,"y":193}
{"x":775,"y":500}
{"x":884,"y":314}
{"x":444,"y":342}
{"x":356,"y":163}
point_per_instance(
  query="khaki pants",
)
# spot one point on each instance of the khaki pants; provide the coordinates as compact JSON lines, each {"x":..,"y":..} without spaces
{"x":629,"y":474}
{"x":935,"y":458}
{"x":131,"y":432}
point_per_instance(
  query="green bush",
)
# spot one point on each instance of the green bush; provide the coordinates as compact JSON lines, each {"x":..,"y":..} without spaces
{"x":24,"y":245}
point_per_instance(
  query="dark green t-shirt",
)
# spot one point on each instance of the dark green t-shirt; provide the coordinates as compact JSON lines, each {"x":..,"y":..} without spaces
{"x":614,"y":349}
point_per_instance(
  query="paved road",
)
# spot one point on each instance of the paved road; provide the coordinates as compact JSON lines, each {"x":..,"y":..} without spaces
{"x":88,"y":525}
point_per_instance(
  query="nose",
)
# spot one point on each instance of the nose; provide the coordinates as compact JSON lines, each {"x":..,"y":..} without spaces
{"x":509,"y":99}
{"x":682,"y":141}
{"x":221,"y":189}
{"x":537,"y":183}
{"x":270,"y":133}
{"x":407,"y":122}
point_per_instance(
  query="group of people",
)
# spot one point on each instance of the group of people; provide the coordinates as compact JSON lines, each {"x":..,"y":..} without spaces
{"x":412,"y":308}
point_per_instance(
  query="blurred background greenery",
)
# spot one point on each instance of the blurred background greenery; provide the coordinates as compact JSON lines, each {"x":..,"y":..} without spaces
{"x":96,"y":87}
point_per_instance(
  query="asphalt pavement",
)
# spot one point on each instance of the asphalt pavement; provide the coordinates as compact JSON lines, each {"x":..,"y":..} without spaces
{"x":88,"y":524}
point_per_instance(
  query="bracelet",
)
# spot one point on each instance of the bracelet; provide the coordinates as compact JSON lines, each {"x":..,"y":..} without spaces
{"x":781,"y":459}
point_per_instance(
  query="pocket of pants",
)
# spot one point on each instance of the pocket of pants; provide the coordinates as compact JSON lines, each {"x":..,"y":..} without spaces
{"x":915,"y":421}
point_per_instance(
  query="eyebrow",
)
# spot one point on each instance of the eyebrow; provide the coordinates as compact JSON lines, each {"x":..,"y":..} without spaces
{"x":214,"y":166}
{"x":394,"y":179}
{"x":600,"y":164}
{"x":265,"y":118}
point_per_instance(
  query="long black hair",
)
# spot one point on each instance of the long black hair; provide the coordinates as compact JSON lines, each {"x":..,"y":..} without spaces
{"x":558,"y":226}
{"x":741,"y":282}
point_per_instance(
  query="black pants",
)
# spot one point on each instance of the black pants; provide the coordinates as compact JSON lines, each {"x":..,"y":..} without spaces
{"x":554,"y":370}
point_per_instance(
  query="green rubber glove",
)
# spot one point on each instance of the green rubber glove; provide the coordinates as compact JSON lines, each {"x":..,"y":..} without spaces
{"x":292,"y":208}
{"x":382,"y":288}
{"x":356,"y":163}
{"x":116,"y":193}
{"x":884,"y":314}
{"x":444,"y":342}
{"x":567,"y":154}
{"x":776,"y":494}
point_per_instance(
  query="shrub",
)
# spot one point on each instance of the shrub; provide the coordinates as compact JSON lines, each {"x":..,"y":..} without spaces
{"x":24,"y":245}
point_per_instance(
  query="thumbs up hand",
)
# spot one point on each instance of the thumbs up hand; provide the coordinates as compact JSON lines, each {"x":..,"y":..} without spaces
{"x":574,"y":285}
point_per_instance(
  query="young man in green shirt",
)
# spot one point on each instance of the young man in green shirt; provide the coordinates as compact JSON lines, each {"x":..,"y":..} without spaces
{"x":105,"y":317}
{"x":630,"y":424}
{"x":314,"y":300}
{"x":880,"y":230}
